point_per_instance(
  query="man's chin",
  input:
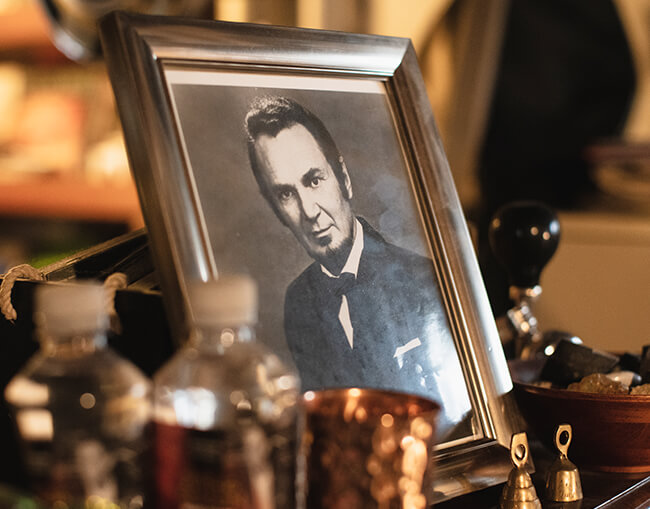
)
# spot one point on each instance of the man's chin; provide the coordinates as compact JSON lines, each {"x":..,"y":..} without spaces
{"x":324,"y":242}
{"x":333,"y":258}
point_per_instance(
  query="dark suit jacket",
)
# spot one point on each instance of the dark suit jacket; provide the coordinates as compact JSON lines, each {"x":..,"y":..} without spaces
{"x":395,"y":302}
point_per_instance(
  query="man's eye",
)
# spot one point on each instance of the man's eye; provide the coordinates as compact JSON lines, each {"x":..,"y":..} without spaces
{"x":314,"y":182}
{"x":285,"y":195}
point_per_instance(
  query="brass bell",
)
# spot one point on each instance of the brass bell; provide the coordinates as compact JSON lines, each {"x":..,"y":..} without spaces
{"x":519,"y":492}
{"x":563,"y":479}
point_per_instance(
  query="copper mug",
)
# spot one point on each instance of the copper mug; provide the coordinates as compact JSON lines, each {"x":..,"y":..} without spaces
{"x":369,"y":448}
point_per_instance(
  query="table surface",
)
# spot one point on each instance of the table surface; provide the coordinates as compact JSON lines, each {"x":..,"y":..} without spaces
{"x":601,"y":490}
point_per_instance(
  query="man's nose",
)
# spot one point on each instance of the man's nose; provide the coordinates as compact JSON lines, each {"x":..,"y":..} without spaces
{"x":309,"y":206}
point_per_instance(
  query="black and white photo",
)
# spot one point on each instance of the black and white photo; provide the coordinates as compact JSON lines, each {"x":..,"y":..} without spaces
{"x":353,"y":308}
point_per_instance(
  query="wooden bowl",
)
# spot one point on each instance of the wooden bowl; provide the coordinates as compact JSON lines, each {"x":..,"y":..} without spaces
{"x":610,"y":432}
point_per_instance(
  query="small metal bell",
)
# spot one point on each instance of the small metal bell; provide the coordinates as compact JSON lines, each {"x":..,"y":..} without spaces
{"x":563,"y":479}
{"x":519,"y":492}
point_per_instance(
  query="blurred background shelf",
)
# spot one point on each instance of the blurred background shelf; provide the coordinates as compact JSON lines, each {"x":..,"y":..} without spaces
{"x":71,"y":198}
{"x":64,"y":177}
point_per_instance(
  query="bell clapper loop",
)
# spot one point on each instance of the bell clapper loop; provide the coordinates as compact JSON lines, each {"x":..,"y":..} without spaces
{"x":563,"y":479}
{"x":519,"y":492}
{"x":563,"y":433}
{"x":519,"y":450}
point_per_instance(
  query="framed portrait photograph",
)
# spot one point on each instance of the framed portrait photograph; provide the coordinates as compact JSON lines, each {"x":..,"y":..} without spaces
{"x":310,"y":161}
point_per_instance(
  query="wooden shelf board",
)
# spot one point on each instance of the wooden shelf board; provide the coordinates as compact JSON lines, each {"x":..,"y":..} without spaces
{"x":71,"y":198}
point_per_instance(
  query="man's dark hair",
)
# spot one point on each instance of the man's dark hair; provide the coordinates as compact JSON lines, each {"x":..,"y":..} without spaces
{"x":268,"y":115}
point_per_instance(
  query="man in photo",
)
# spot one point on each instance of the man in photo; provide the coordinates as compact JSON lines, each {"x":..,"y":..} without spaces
{"x":365,"y":313}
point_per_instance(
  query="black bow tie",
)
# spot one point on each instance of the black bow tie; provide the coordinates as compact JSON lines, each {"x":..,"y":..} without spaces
{"x":339,"y":285}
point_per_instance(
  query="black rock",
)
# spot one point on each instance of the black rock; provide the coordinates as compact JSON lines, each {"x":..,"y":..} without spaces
{"x":644,"y":368}
{"x":571,"y":362}
{"x":630,"y":362}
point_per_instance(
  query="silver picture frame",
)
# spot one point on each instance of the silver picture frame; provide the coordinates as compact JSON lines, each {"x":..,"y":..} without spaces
{"x":180,"y":85}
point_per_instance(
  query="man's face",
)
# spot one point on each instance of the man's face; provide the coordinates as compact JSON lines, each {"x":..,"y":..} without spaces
{"x":307,"y":194}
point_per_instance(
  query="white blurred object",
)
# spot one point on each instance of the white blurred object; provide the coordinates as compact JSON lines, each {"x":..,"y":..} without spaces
{"x":65,"y":310}
{"x":107,"y":161}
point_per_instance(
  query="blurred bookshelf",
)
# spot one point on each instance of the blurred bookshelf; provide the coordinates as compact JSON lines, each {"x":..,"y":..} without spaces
{"x":64,"y":178}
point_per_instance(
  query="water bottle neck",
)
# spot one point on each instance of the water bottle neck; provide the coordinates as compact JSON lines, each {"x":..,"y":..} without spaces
{"x":222,"y":337}
{"x":73,"y":345}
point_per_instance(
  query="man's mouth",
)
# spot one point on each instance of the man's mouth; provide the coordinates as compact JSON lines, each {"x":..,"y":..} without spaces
{"x":321,"y":233}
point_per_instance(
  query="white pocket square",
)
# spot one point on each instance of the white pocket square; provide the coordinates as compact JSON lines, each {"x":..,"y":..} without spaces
{"x":401,"y":350}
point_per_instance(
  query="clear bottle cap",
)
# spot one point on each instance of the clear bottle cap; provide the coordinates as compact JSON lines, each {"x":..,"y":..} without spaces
{"x":230,"y":300}
{"x":74,"y":308}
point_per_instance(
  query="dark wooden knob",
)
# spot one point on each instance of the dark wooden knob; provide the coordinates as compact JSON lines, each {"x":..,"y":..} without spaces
{"x":524,"y":236}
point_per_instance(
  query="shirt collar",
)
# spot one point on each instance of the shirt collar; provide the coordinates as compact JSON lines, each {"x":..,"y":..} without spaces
{"x":352,"y":263}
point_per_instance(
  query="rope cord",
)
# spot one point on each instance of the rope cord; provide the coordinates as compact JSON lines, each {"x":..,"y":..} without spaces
{"x":23,"y":271}
{"x":114,"y":282}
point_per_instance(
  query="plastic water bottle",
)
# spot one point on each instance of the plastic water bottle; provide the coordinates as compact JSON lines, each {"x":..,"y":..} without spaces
{"x":226,"y":411}
{"x":81,"y":410}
